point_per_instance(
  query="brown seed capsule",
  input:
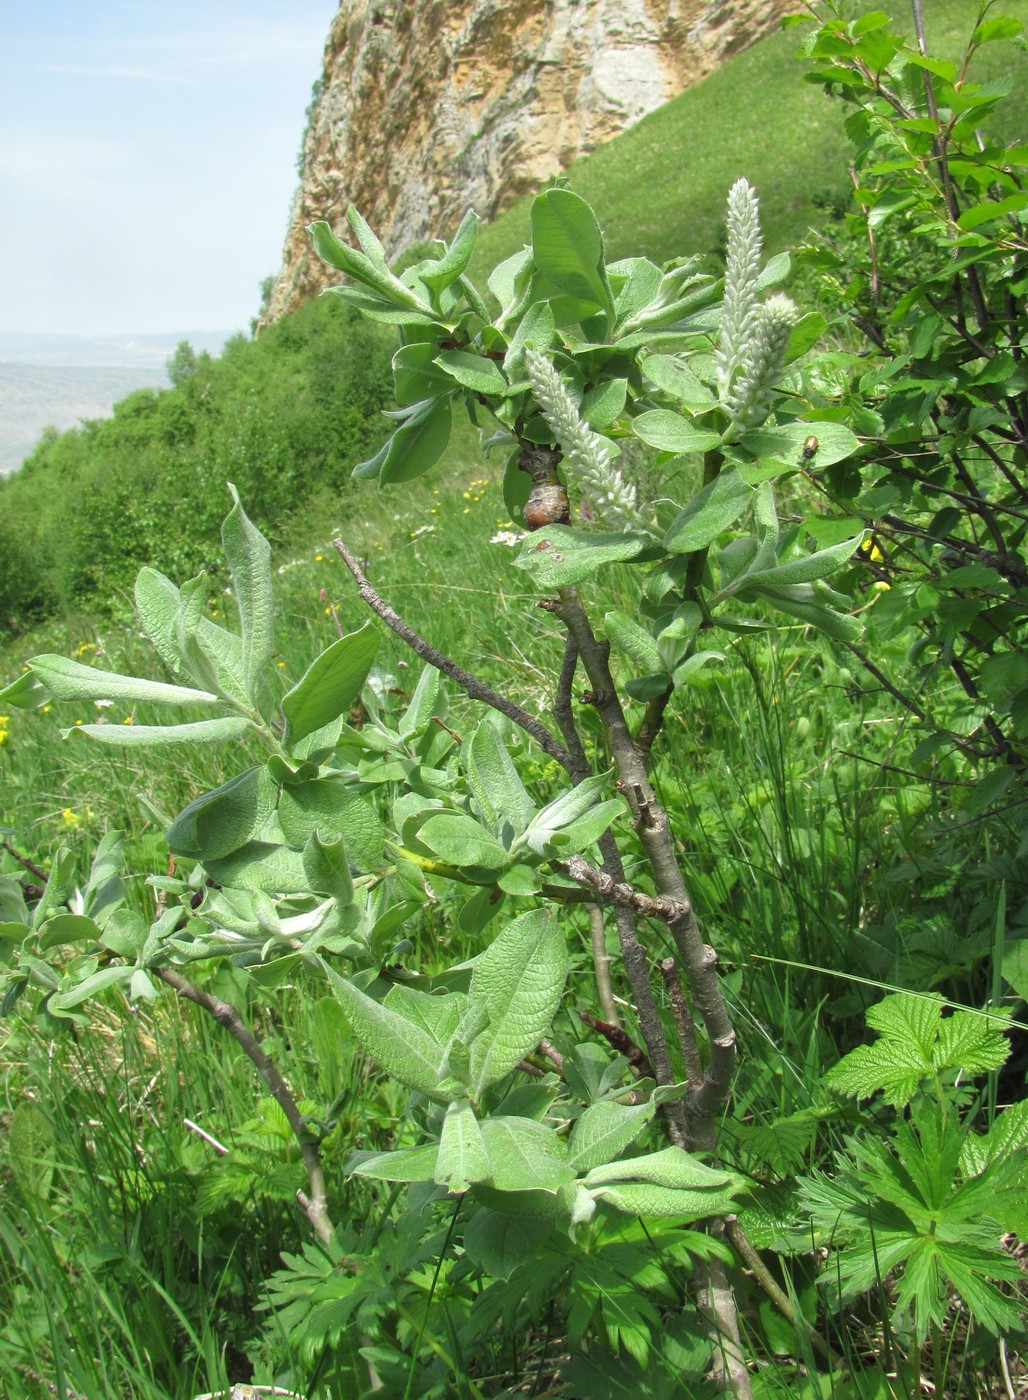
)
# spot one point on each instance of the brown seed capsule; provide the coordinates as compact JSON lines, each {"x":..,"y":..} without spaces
{"x":547,"y":504}
{"x":810,"y":446}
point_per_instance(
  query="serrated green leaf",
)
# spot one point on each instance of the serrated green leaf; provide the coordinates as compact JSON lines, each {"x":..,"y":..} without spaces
{"x":971,"y":1043}
{"x":330,"y":685}
{"x":916,"y":1043}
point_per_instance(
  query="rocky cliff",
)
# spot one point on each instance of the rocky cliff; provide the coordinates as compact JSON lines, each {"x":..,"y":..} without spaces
{"x":429,"y":106}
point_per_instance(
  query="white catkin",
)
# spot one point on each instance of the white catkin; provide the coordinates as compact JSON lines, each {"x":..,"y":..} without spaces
{"x":587,"y":456}
{"x":742,"y":270}
{"x":748,"y":396}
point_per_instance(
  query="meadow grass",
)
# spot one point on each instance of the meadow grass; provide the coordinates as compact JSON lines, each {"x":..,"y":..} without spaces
{"x":132,"y":1254}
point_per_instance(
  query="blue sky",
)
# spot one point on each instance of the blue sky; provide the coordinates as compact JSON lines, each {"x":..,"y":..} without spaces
{"x":147,"y":158}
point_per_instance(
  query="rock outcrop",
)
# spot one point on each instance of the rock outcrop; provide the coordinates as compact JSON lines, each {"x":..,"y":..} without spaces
{"x":429,"y":106}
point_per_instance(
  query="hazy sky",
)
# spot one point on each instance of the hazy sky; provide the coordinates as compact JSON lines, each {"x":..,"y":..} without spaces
{"x":147,"y":158}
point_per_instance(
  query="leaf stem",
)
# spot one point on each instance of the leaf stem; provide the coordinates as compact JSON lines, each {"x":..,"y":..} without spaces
{"x":315,"y":1207}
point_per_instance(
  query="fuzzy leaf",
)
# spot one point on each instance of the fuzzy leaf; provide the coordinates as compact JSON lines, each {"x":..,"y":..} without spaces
{"x":712,"y":510}
{"x":786,"y":443}
{"x":525,"y":1155}
{"x":559,"y":555}
{"x":204,"y":731}
{"x":460,"y":840}
{"x":567,"y":247}
{"x":495,"y":782}
{"x":221,"y":821}
{"x":249,"y":557}
{"x":670,"y":432}
{"x":327,"y":869}
{"x":330,"y":684}
{"x":474,"y":372}
{"x":402,"y":1048}
{"x":633,"y":641}
{"x":326,"y":805}
{"x":519,"y":979}
{"x":604,"y":1130}
{"x":645,"y":1199}
{"x":462,"y":1153}
{"x":498,"y":1243}
{"x":71,"y":680}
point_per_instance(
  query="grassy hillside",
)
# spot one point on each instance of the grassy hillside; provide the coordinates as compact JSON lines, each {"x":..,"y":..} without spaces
{"x":263,"y":416}
{"x":832,"y":853}
{"x":659,"y":188}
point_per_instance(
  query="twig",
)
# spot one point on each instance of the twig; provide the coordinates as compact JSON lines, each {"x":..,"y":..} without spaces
{"x":623,"y":1043}
{"x":472,"y":687}
{"x":316,"y":1207}
{"x":683,"y":1022}
{"x":697,"y":959}
{"x":764,"y":1277}
{"x":601,"y":964}
{"x":29,"y":865}
{"x":614,"y":892}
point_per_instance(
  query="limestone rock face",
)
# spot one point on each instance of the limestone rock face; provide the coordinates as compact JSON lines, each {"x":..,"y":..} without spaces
{"x":429,"y":106}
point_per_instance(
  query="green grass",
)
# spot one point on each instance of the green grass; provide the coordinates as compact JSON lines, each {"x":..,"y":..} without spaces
{"x":134,"y":1262}
{"x":659,"y":188}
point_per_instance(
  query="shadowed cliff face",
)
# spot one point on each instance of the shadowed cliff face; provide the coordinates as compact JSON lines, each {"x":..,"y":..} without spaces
{"x":429,"y":106}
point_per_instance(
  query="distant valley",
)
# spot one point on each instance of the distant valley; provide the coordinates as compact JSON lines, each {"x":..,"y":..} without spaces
{"x":60,"y":380}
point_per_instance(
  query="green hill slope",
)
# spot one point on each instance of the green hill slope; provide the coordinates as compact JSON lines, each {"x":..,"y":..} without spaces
{"x":291,"y":413}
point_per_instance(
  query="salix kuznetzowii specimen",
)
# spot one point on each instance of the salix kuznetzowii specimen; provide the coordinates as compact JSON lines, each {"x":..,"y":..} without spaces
{"x":289,"y":864}
{"x":569,"y":461}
